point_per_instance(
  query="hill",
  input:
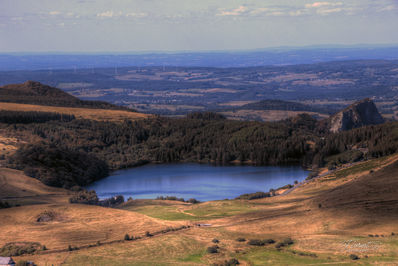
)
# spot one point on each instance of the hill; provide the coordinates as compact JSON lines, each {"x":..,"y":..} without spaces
{"x":351,"y":210}
{"x":32,"y":92}
{"x":361,"y":113}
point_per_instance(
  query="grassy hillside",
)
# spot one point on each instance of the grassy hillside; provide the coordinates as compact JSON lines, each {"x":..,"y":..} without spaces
{"x":328,"y":219}
{"x":80,"y":113}
{"x":32,"y":92}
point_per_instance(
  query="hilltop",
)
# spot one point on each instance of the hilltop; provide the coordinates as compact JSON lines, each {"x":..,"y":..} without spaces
{"x":32,"y":92}
{"x":361,"y":113}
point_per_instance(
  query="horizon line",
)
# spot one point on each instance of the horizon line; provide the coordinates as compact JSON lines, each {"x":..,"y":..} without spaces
{"x":284,"y":47}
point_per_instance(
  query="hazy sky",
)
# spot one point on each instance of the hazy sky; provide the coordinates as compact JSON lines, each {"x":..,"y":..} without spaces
{"x":142,"y":25}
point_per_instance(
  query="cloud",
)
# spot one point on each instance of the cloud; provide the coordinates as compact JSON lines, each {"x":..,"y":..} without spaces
{"x":137,"y":15}
{"x":54,"y":13}
{"x":234,"y":12}
{"x":109,"y":14}
{"x":388,"y":8}
{"x":329,"y":11}
{"x":323,"y":4}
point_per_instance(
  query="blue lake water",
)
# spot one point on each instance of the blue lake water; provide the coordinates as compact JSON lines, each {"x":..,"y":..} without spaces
{"x":200,"y":181}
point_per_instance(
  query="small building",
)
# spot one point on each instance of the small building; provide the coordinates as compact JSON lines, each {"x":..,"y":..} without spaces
{"x":6,"y":261}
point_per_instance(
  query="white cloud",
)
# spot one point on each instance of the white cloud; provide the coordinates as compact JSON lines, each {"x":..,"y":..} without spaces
{"x":323,"y":4}
{"x":109,"y":14}
{"x":54,"y":13}
{"x":137,"y":15}
{"x":388,"y":8}
{"x":327,"y":11}
{"x":234,"y":12}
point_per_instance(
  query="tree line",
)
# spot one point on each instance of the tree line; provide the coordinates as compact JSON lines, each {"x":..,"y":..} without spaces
{"x":78,"y":152}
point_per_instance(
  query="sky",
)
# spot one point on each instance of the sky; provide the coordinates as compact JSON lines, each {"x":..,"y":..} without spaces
{"x":191,"y":25}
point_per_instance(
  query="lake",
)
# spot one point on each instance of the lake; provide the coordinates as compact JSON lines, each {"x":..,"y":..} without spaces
{"x":200,"y":181}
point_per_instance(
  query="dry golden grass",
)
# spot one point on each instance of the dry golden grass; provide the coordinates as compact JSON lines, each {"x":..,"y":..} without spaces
{"x":82,"y":113}
{"x":8,"y":145}
{"x":333,"y":231}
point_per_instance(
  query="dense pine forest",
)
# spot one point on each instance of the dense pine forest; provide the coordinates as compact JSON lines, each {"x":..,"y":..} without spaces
{"x":74,"y":152}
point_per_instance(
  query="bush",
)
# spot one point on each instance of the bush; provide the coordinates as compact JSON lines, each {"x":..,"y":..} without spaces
{"x":193,"y":201}
{"x":269,"y":241}
{"x":215,"y":241}
{"x":231,"y":262}
{"x":4,"y":205}
{"x":286,"y":242}
{"x":255,"y":242}
{"x":19,"y":248}
{"x":147,"y":234}
{"x":241,"y":239}
{"x":213,"y":249}
{"x":85,"y":197}
{"x":126,"y":237}
{"x":256,"y":195}
{"x":170,"y":198}
{"x":354,"y":257}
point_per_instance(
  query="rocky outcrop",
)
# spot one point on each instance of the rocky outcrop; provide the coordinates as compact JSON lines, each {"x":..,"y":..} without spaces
{"x":361,"y":113}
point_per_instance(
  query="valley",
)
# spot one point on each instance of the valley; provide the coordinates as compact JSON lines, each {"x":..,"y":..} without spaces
{"x":323,"y":230}
{"x":344,"y":212}
{"x":175,"y":91}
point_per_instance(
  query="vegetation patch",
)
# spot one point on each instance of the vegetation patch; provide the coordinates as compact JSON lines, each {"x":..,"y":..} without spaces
{"x":20,"y":248}
{"x":59,"y":167}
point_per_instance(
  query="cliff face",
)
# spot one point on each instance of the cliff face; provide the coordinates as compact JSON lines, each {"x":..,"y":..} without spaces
{"x":359,"y":114}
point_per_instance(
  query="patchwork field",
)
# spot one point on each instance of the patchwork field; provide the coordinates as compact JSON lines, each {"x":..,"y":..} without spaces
{"x":349,"y":211}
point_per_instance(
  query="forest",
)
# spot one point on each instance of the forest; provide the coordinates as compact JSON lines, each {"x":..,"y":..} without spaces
{"x":78,"y":152}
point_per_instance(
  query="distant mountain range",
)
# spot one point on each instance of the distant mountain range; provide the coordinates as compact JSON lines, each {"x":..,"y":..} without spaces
{"x":259,"y":57}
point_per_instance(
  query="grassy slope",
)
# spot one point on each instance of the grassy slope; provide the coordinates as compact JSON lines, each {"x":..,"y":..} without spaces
{"x":331,"y":232}
{"x":82,"y":113}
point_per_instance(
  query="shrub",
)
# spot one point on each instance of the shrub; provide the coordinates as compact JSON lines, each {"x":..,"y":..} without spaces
{"x":255,"y":242}
{"x":231,"y":262}
{"x":19,"y":248}
{"x":288,"y":241}
{"x":147,"y":234}
{"x":241,"y":239}
{"x":393,"y":234}
{"x":354,"y":257}
{"x":215,"y":240}
{"x":256,"y":195}
{"x":268,"y":241}
{"x":126,"y":237}
{"x":193,"y":201}
{"x":85,"y":197}
{"x":213,"y":249}
{"x":4,"y":205}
